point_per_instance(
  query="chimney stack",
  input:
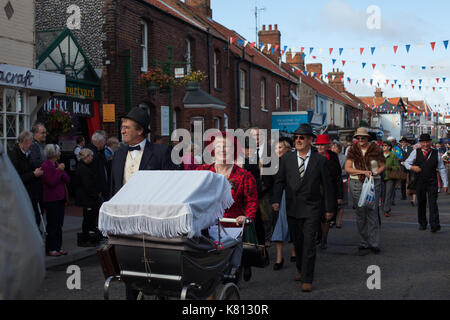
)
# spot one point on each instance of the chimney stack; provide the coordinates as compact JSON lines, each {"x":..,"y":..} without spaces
{"x":338,"y":82}
{"x":378,"y":93}
{"x":272,"y":37}
{"x":314,"y":68}
{"x":201,"y":6}
{"x":295,"y":60}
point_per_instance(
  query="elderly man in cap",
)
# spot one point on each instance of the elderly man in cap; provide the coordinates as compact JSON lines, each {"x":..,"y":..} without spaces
{"x":304,"y":177}
{"x":426,"y":162}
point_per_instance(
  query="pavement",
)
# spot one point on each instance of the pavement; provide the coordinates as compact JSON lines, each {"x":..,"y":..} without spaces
{"x":72,"y":225}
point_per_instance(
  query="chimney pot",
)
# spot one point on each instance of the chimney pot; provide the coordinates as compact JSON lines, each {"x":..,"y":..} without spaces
{"x":276,"y":27}
{"x":270,"y":27}
{"x":264,"y":27}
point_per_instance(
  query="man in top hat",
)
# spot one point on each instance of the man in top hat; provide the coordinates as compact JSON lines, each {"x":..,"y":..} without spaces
{"x":426,"y":162}
{"x":304,"y":176}
{"x":406,"y":152}
{"x":138,"y":153}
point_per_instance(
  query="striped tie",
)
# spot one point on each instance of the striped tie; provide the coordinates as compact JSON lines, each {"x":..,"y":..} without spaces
{"x":301,"y":169}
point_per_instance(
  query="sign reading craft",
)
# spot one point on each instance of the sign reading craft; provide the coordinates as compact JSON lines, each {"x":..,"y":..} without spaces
{"x":14,"y":76}
{"x":109,"y":113}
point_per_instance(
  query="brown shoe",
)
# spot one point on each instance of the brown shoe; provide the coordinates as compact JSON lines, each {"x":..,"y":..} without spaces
{"x":306,"y":287}
{"x":298,"y":277}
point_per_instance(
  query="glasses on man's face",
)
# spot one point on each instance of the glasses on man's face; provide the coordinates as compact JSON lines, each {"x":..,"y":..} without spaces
{"x":361,"y":138}
{"x":125,"y":127}
{"x":299,"y":137}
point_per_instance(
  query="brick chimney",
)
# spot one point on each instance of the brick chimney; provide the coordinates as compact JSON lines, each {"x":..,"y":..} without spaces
{"x":314,"y":68}
{"x":272,"y":37}
{"x":201,"y":6}
{"x":378,"y":93}
{"x":295,"y":60}
{"x":338,"y":82}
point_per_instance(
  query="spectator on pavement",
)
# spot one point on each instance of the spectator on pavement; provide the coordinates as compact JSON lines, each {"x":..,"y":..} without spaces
{"x":80,"y":145}
{"x":37,"y":154}
{"x":20,"y":158}
{"x":54,"y":181}
{"x":112,"y":145}
{"x":88,"y":198}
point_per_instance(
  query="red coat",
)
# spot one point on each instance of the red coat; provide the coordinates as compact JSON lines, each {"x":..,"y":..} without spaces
{"x":244,"y":193}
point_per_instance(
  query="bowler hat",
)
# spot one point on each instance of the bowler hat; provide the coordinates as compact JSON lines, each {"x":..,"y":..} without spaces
{"x":362,"y":132}
{"x":305,"y":129}
{"x":403,"y":139}
{"x":425,"y":137}
{"x":323,"y":139}
{"x":141,"y":116}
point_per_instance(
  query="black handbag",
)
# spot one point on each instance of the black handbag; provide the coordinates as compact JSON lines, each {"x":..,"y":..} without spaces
{"x":253,"y":254}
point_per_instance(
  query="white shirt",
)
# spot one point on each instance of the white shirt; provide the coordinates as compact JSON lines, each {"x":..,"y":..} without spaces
{"x":299,"y":161}
{"x":134,"y":153}
{"x":441,"y":167}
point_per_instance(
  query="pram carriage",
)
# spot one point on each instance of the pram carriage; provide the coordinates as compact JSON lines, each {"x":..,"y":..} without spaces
{"x":173,"y":259}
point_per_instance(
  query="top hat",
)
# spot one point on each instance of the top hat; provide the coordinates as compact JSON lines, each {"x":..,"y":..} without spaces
{"x":425,"y":137}
{"x":305,"y":129}
{"x":403,"y":139}
{"x":141,"y":116}
{"x":323,"y":139}
{"x":362,"y":132}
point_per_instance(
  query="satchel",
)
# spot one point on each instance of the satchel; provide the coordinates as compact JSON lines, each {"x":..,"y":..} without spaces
{"x":107,"y":258}
{"x":253,"y":254}
{"x":397,"y":175}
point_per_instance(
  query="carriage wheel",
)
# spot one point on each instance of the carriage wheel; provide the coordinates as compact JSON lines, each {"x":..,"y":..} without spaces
{"x":229,"y":291}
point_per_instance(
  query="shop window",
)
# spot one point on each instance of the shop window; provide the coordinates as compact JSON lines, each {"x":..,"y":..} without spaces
{"x":13,"y":116}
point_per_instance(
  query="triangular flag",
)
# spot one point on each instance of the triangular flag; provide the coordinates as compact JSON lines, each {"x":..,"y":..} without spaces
{"x":343,"y":62}
{"x":437,"y":79}
{"x":272,"y":51}
{"x":301,"y":49}
{"x":314,"y":57}
{"x":433,"y":44}
{"x":351,"y":50}
{"x":331,"y":50}
{"x":373,"y":49}
{"x":407,"y":47}
{"x":420,"y":81}
{"x":404,"y":67}
{"x":340,"y":50}
{"x":420,"y":46}
{"x":392,"y":86}
{"x":231,"y":40}
{"x":363,"y":65}
{"x":361,"y":50}
{"x":276,"y":47}
{"x":320,"y":50}
{"x":395,"y":49}
{"x":334,"y":61}
{"x":269,"y":46}
{"x":252,"y":45}
{"x":412,"y":81}
{"x":387,"y":81}
{"x":245,"y":43}
{"x":373,"y":65}
{"x":446,"y":44}
{"x":240,"y":42}
{"x":311,"y":50}
{"x":443,"y":79}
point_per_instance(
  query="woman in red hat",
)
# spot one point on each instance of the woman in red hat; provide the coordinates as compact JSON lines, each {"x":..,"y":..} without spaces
{"x":334,"y":168}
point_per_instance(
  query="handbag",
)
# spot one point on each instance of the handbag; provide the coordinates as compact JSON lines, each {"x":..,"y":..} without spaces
{"x":397,"y":175}
{"x":107,"y":258}
{"x":253,"y":254}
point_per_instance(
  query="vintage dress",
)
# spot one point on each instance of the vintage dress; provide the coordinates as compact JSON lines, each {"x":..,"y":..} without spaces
{"x":244,"y":193}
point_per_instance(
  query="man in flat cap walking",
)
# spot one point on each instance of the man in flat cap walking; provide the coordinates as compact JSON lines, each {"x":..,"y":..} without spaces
{"x":426,"y":163}
{"x":303,"y":174}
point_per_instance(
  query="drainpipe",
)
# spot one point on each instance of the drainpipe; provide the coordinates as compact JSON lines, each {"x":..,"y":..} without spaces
{"x":208,"y":46}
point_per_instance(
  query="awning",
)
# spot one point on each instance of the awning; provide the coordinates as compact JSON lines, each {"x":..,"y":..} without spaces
{"x":201,"y":99}
{"x":293,"y":95}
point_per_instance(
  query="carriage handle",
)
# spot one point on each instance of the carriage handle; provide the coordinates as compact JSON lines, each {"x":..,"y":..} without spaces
{"x":229,"y":220}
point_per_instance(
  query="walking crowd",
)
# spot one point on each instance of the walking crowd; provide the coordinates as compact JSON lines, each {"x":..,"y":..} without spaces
{"x":297,"y":206}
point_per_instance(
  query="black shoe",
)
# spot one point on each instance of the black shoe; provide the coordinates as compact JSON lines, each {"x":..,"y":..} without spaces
{"x":422,"y":228}
{"x":293,"y":258}
{"x":278,"y":266}
{"x":363,"y":251}
{"x":375,"y":250}
{"x":436,"y":229}
{"x":247,"y":273}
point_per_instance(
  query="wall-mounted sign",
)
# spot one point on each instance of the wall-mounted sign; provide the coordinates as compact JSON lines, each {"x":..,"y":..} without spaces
{"x":78,"y":107}
{"x":288,"y":122}
{"x":179,"y":73}
{"x":82,"y":91}
{"x":109,"y":113}
{"x":15,"y":76}
{"x":164,"y":121}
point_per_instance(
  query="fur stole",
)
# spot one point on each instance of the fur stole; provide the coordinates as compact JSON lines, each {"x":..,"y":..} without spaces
{"x":363,"y":162}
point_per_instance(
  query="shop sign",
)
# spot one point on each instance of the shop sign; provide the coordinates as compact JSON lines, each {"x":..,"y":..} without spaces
{"x":15,"y":76}
{"x":79,"y":107}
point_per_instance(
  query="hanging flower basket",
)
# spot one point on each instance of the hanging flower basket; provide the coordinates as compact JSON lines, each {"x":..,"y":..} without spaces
{"x":192,"y":80}
{"x":192,"y":85}
{"x":154,"y":79}
{"x":58,"y":123}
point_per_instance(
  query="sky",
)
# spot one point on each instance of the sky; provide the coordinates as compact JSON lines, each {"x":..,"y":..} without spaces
{"x":355,"y":24}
